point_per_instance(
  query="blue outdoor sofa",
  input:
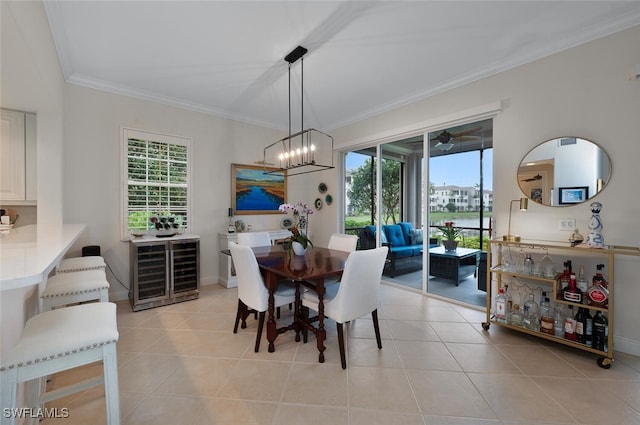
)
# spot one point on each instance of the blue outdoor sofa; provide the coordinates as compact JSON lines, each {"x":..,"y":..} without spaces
{"x":405,"y":246}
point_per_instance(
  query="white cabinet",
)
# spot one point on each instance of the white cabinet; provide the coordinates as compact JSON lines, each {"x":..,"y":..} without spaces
{"x":227,"y":274}
{"x":18,"y":158}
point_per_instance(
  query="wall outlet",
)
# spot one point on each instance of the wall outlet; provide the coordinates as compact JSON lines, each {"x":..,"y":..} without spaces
{"x":567,"y":223}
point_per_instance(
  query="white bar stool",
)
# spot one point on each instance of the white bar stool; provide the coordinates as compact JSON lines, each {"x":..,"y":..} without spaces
{"x":70,"y":288}
{"x":78,"y":264}
{"x":59,"y":340}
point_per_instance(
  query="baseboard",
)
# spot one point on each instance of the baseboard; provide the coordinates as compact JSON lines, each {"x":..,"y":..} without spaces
{"x":626,"y":345}
{"x":119,"y":295}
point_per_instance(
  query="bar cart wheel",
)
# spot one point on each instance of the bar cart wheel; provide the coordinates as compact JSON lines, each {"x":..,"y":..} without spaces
{"x":604,"y":362}
{"x":486,"y":325}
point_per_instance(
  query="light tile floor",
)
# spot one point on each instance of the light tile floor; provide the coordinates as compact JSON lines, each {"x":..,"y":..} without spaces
{"x":181,"y":364}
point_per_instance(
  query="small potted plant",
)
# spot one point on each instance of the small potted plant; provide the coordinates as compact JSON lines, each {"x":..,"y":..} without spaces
{"x":450,"y":234}
{"x":298,"y":242}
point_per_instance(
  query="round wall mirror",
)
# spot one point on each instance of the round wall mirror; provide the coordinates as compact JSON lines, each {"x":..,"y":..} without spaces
{"x":564,"y":171}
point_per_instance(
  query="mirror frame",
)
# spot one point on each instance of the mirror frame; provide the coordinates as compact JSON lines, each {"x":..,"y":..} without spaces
{"x":551,"y":192}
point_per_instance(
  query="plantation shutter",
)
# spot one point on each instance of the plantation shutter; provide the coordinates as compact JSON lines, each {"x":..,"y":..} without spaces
{"x":157,"y":176}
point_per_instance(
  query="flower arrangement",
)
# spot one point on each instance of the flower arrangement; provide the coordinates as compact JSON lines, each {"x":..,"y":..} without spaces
{"x":301,"y":213}
{"x":450,"y":232}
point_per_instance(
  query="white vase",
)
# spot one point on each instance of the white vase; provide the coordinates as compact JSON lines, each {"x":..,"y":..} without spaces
{"x":298,"y":249}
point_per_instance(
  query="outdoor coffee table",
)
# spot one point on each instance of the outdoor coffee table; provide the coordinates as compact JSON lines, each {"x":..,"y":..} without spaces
{"x":455,"y":265}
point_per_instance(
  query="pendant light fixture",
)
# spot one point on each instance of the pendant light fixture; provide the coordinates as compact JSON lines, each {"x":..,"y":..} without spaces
{"x":306,"y":151}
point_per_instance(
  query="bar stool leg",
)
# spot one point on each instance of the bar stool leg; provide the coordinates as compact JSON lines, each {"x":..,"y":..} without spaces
{"x":8,"y":393}
{"x":110,"y":367}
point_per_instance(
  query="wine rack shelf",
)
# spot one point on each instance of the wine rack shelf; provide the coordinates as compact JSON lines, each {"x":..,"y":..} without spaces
{"x":499,"y":272}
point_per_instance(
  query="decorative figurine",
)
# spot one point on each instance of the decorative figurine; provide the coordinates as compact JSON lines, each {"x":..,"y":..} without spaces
{"x":595,"y":238}
{"x":576,"y":238}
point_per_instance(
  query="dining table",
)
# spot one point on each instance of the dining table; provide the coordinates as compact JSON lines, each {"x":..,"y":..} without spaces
{"x":309,"y":271}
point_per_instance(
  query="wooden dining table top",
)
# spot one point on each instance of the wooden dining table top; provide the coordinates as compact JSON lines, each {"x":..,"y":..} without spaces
{"x":318,"y":262}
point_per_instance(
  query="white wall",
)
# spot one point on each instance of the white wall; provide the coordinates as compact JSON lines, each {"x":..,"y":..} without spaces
{"x":585,"y":91}
{"x":92,"y":170}
{"x":32,"y":81}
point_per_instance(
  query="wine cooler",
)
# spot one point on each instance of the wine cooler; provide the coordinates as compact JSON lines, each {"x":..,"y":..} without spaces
{"x":164,"y":272}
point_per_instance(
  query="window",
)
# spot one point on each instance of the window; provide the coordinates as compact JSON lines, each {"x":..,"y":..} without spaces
{"x":156,"y":178}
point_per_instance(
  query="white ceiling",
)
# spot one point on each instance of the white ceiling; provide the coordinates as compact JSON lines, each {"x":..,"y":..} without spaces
{"x":227,"y":57}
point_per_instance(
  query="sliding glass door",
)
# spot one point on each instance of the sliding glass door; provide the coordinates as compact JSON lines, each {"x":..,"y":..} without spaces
{"x":410,"y":205}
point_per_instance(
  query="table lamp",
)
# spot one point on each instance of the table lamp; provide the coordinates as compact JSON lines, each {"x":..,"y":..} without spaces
{"x":524,"y":204}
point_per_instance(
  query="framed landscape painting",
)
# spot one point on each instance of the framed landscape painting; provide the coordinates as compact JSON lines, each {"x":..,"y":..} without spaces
{"x":254,"y":192}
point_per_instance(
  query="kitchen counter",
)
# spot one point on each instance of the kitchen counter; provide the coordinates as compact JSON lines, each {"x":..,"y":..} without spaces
{"x":29,"y":253}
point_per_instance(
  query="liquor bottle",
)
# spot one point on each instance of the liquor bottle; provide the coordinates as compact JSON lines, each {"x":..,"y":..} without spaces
{"x":530,"y":318}
{"x":558,"y":321}
{"x":515,"y":316}
{"x":582,"y":284}
{"x":599,"y":331}
{"x":581,"y":325}
{"x":502,"y":314}
{"x":570,"y":326}
{"x":572,"y":293}
{"x":546,"y":316}
{"x":565,"y":277}
{"x":598,"y":293}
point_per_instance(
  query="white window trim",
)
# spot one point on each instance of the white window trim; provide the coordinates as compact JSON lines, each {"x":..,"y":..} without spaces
{"x":127,"y":133}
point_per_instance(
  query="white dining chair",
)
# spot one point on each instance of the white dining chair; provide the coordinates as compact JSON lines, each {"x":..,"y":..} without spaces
{"x":343,"y":242}
{"x":252,"y":291}
{"x":340,"y":242}
{"x":356,"y":295}
{"x":254,"y":239}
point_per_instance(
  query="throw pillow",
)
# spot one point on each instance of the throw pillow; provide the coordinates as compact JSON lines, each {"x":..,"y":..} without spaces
{"x":416,"y":236}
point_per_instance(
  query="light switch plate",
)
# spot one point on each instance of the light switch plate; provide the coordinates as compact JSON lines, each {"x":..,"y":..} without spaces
{"x":567,"y":223}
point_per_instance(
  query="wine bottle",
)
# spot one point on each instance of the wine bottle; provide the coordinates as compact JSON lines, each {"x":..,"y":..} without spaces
{"x":581,"y":324}
{"x":588,"y":330}
{"x":599,"y":331}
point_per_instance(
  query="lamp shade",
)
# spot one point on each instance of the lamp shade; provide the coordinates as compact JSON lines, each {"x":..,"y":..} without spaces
{"x":524,"y":204}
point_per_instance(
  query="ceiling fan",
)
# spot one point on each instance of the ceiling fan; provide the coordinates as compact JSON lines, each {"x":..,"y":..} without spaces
{"x":532,"y":179}
{"x":445,"y":139}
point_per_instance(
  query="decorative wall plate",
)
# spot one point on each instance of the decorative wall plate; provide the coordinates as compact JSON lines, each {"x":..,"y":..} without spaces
{"x":322,"y":188}
{"x":286,"y":223}
{"x":328,"y":199}
{"x":318,"y":203}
